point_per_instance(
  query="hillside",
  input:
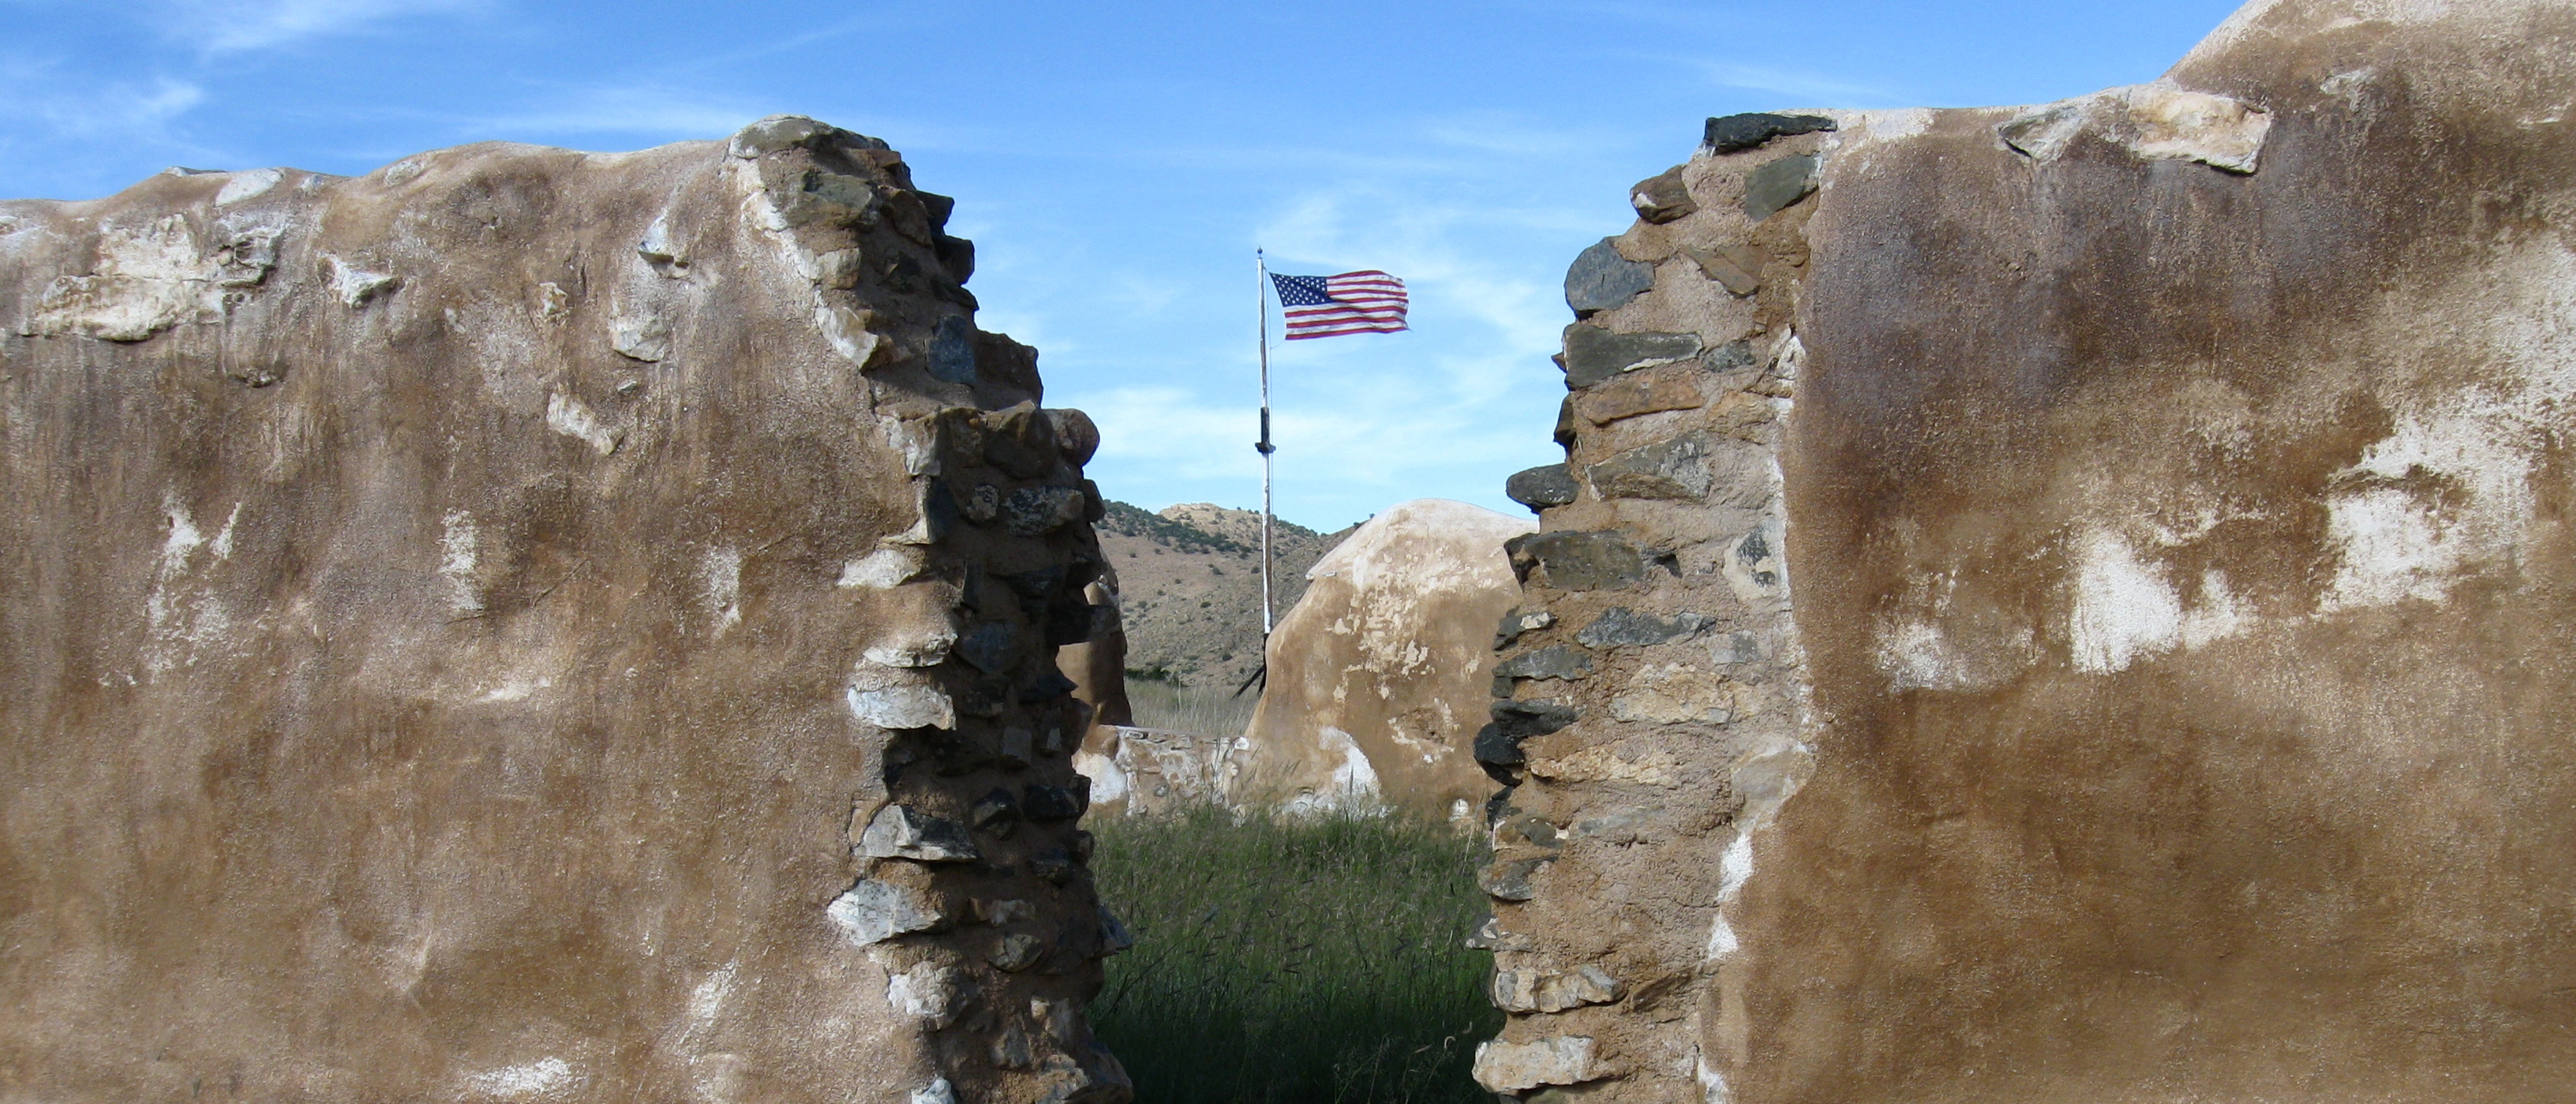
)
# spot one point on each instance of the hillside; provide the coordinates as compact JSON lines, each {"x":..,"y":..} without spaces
{"x":1189,"y":579}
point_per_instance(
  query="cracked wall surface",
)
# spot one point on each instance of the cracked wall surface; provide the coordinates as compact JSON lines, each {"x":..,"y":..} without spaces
{"x":524,"y":624}
{"x":2173,"y":483}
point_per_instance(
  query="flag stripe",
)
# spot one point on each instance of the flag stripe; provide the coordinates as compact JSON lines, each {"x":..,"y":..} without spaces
{"x":1366,"y":301}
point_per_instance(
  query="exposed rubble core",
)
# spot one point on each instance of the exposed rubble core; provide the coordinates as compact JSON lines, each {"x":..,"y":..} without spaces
{"x":2173,"y":485}
{"x":537,"y":625}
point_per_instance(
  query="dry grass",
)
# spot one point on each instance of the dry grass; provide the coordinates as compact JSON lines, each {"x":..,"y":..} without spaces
{"x":1198,"y":710}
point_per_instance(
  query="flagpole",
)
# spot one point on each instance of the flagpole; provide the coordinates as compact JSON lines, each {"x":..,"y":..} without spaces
{"x":1261,"y":308}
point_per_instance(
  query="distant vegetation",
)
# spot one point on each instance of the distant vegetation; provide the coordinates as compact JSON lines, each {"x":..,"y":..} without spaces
{"x":1135,"y":521}
{"x":1294,"y":962}
{"x":1190,"y":584}
{"x":1160,"y":701}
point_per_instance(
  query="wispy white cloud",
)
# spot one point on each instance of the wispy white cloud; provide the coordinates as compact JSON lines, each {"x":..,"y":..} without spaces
{"x":1810,"y":89}
{"x":230,"y":26}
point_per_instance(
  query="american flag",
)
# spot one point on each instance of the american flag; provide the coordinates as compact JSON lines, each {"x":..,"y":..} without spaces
{"x":1329,"y":306}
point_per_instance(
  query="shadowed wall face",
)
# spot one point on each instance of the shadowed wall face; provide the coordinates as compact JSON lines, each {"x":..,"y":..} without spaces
{"x":2176,"y":504}
{"x":527,"y":624}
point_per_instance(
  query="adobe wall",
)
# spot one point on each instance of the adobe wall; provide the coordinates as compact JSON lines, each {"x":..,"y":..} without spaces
{"x":536,"y":625}
{"x":1378,"y":676}
{"x":2173,"y":485}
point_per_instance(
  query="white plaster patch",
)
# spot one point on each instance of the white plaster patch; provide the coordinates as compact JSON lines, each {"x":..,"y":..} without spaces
{"x":356,"y":287}
{"x":882,"y":569}
{"x":903,"y":706}
{"x":459,"y":547}
{"x":569,"y":416}
{"x":517,"y":689}
{"x":1108,"y":782}
{"x":929,"y":992}
{"x":2157,"y":121}
{"x":846,"y":330}
{"x":937,"y":1091}
{"x":2124,"y":610}
{"x":543,"y":1077}
{"x":646,"y":338}
{"x":247,"y":185}
{"x":720,"y":580}
{"x":151,"y":278}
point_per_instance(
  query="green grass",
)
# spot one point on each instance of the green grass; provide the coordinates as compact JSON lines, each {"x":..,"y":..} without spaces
{"x":1198,"y":710}
{"x":1294,"y":962}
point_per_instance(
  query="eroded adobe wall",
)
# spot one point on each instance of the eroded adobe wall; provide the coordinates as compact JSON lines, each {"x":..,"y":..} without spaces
{"x":1377,"y":678}
{"x":2176,"y":503}
{"x":536,"y":625}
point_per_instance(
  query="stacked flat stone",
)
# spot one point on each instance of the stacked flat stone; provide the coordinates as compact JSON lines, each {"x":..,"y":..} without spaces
{"x":1652,"y":662}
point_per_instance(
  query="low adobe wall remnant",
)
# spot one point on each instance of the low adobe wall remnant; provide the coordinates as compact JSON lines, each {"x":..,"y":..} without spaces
{"x":1377,"y":678}
{"x":2174,"y":487}
{"x":536,"y":625}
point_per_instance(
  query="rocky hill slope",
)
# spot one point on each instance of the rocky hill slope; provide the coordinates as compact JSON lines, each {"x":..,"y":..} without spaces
{"x":1189,"y":580}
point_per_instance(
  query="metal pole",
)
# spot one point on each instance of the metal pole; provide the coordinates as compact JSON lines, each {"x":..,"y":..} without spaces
{"x":1261,"y":307}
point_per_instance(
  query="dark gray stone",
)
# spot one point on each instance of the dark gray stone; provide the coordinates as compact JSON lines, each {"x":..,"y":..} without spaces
{"x":1518,"y":621}
{"x":1737,"y":133}
{"x":1048,"y":686}
{"x":1603,"y":280}
{"x":1541,"y":487}
{"x":1777,"y":185}
{"x":1559,"y":662}
{"x":1509,"y":879}
{"x":1729,"y":357}
{"x":1620,"y":627}
{"x":1527,"y":830}
{"x":1576,"y":560}
{"x":1054,"y":865}
{"x":1499,"y":743}
{"x":1038,"y":511}
{"x":1043,"y":802}
{"x":952,"y":350}
{"x":1015,"y":952}
{"x":1037,"y":586}
{"x":998,"y":813}
{"x":1674,"y":469}
{"x":1593,"y":354}
{"x":1114,"y":936}
{"x":1663,"y":198}
{"x":903,"y":832}
{"x":831,"y":199}
{"x":991,"y":647}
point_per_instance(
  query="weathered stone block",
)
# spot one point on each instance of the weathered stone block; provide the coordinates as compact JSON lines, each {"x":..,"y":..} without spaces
{"x":1601,"y":279}
{"x":1621,"y":627}
{"x":903,"y":832}
{"x":1662,"y":198}
{"x":1541,"y":487}
{"x":1652,"y":393}
{"x":1542,"y":991}
{"x":1679,"y":468}
{"x":1737,"y":133}
{"x":1593,"y":354}
{"x":1520,"y":1067}
{"x":1773,"y":187}
{"x":1576,"y":560}
{"x":1559,"y":662}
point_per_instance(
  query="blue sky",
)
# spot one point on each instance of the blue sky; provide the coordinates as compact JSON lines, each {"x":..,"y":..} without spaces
{"x":1115,"y":161}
